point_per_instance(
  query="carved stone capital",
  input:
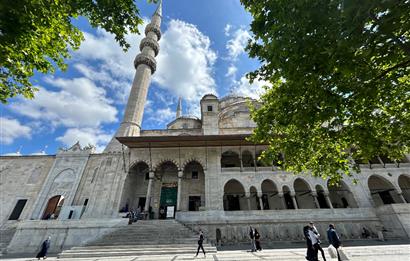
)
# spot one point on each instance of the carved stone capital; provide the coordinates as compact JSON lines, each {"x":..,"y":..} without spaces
{"x":151,"y":174}
{"x":150,"y":43}
{"x":180,"y":174}
{"x":147,"y":60}
{"x":152,"y":28}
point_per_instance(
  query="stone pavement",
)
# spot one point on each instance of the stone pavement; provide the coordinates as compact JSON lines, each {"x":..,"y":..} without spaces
{"x":357,"y":253}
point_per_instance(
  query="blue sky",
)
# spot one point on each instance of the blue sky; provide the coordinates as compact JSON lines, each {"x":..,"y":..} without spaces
{"x":201,"y":52}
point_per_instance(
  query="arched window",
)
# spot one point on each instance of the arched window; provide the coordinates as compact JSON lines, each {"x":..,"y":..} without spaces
{"x":321,"y":197}
{"x":53,"y":207}
{"x":230,"y":159}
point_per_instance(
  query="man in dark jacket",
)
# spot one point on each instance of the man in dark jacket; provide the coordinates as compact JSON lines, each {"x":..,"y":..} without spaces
{"x":200,"y":243}
{"x":334,"y":239}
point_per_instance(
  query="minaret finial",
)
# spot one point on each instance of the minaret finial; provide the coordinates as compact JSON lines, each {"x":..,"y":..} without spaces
{"x":159,"y":9}
{"x":179,"y":108}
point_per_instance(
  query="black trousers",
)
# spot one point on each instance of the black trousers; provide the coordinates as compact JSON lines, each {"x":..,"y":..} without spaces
{"x":200,"y":246}
{"x":318,"y":248}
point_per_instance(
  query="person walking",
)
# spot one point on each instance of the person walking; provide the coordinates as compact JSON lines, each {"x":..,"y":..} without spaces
{"x":258,"y":241}
{"x":310,"y":252}
{"x":316,"y":246}
{"x":200,"y":242}
{"x":252,"y":237}
{"x":44,"y":249}
{"x":334,"y":239}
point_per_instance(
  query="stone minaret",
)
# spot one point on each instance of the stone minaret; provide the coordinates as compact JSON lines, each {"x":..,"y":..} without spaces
{"x":179,"y":108}
{"x":145,"y":65}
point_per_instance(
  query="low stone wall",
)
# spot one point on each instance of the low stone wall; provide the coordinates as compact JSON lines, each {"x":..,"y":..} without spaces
{"x":229,"y":227}
{"x":395,"y":219}
{"x":64,"y":233}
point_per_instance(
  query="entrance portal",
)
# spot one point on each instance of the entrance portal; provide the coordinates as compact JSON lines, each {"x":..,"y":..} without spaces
{"x":168,"y":200}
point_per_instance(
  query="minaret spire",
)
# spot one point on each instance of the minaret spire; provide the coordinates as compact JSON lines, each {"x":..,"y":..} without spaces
{"x":179,"y":108}
{"x":145,"y":65}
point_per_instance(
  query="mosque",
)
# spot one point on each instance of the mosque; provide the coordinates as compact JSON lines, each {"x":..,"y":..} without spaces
{"x":202,"y":172}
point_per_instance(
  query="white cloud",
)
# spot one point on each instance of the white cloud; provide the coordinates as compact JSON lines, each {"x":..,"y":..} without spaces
{"x":236,"y":45}
{"x":11,"y":129}
{"x":244,"y":88}
{"x":76,"y":102}
{"x":163,"y":116}
{"x":231,"y":71}
{"x":86,"y":136}
{"x":185,"y":63}
{"x":227,"y":29}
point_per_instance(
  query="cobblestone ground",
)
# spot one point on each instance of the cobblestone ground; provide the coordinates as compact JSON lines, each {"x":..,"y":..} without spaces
{"x":362,"y":253}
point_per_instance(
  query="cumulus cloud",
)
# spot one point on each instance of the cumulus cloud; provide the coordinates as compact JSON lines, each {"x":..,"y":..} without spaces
{"x":86,"y":136}
{"x":76,"y":102}
{"x":185,"y":62}
{"x":244,"y":88}
{"x":227,"y":29}
{"x":163,"y":116}
{"x":231,"y":71}
{"x":11,"y":129}
{"x":236,"y":45}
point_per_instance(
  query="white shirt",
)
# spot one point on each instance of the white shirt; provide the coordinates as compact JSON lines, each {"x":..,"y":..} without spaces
{"x":313,"y":237}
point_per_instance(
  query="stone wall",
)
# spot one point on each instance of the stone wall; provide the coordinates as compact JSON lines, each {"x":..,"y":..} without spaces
{"x":280,"y":225}
{"x":64,"y":234}
{"x":22,"y":178}
{"x":396,"y":220}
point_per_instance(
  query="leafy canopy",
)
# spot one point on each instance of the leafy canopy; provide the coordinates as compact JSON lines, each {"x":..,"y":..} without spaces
{"x":339,"y":71}
{"x":38,"y":34}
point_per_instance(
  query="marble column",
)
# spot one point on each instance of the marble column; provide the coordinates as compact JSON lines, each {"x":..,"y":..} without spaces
{"x":402,"y":198}
{"x":282,"y":200}
{"x":248,"y":200}
{"x":329,"y":202}
{"x":314,"y":196}
{"x":295,"y":203}
{"x":260,"y":200}
{"x":148,"y":197}
{"x":180,"y":175}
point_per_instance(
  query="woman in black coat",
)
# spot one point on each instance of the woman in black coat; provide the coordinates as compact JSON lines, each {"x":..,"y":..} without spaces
{"x":258,"y":240}
{"x":44,"y":249}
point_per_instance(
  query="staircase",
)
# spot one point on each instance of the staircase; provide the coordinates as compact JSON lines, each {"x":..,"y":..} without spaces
{"x":6,"y":234}
{"x":146,"y":237}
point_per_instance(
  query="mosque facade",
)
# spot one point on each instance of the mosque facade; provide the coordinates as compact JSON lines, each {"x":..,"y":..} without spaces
{"x":201,"y":171}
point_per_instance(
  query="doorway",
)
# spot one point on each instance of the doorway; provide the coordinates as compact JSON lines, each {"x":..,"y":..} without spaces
{"x":168,"y":200}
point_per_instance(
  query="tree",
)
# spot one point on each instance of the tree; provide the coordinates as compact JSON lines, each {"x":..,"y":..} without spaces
{"x":340,"y":90}
{"x":37,"y":35}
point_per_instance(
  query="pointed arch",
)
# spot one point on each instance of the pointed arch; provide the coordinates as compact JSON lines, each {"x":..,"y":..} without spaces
{"x":234,"y":195}
{"x":270,"y":195}
{"x":166,"y":161}
{"x":341,"y":196}
{"x":404,"y":184}
{"x":230,"y":159}
{"x":135,"y":187}
{"x":303,"y":194}
{"x":382,"y":190}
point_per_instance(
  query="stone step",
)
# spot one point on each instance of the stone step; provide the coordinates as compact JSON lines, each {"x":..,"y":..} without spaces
{"x":139,"y":246}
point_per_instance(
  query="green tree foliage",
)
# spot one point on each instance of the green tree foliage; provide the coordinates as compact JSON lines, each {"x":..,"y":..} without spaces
{"x":339,"y":71}
{"x":37,"y":35}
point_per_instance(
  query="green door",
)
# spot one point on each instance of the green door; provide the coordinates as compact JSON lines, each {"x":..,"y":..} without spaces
{"x":168,"y":196}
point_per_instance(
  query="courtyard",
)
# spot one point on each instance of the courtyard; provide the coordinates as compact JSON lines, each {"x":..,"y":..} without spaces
{"x":393,"y":252}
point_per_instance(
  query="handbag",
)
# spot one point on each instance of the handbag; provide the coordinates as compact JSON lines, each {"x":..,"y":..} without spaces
{"x":332,"y":251}
{"x":343,"y":255}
